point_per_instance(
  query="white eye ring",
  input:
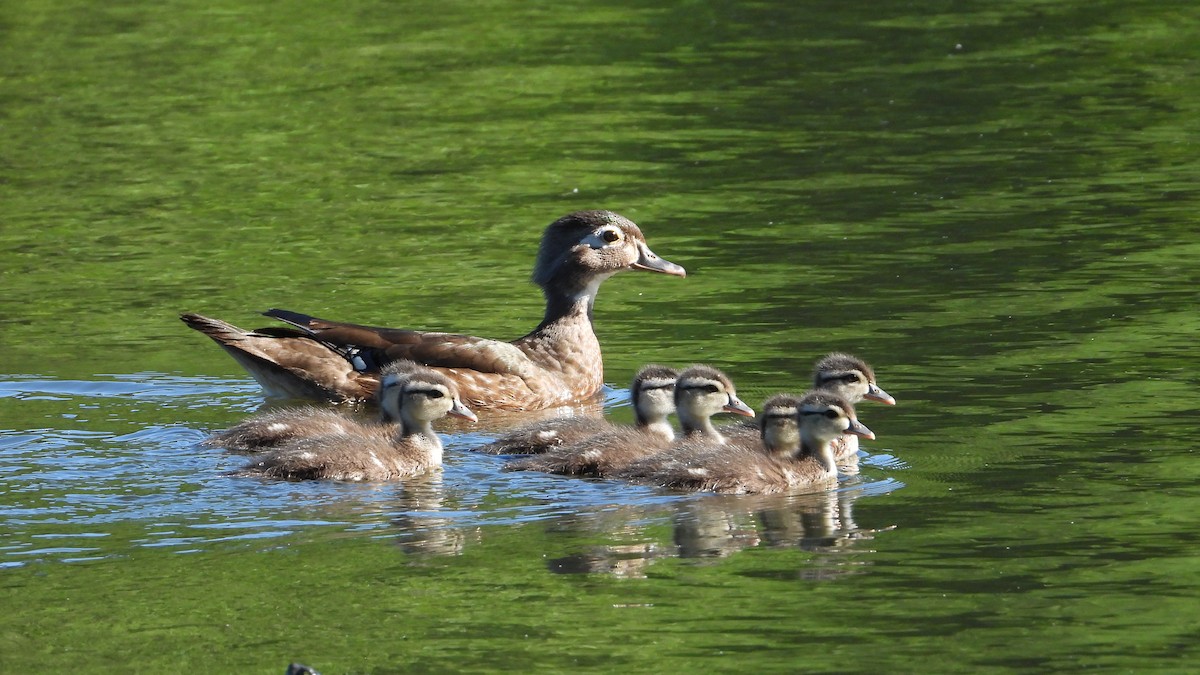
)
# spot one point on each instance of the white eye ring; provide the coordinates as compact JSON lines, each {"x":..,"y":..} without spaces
{"x":602,"y":238}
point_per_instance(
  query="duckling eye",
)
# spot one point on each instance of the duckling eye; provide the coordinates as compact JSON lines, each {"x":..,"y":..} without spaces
{"x":711,"y":388}
{"x":831,"y":414}
{"x":852,"y":377}
{"x":434,"y":393}
{"x":611,"y":235}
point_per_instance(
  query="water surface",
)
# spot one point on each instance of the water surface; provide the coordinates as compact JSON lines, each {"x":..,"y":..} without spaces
{"x":991,"y":203}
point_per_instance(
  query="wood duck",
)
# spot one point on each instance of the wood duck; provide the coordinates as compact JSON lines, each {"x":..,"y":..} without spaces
{"x":700,"y":393}
{"x":796,"y":450}
{"x":378,"y":452}
{"x":651,"y":394}
{"x":276,"y":427}
{"x":851,"y":378}
{"x":847,"y":376}
{"x":558,"y":362}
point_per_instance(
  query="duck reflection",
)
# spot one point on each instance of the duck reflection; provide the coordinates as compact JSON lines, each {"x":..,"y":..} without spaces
{"x":624,"y":561}
{"x":718,"y":526}
{"x":426,"y":522}
{"x":713,"y":528}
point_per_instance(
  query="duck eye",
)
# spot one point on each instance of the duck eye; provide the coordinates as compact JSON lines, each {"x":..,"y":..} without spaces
{"x":711,"y":388}
{"x":434,"y":393}
{"x":852,"y":377}
{"x":611,"y":235}
{"x":831,"y":414}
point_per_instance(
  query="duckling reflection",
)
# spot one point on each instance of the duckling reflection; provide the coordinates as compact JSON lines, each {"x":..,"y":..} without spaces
{"x":708,"y":529}
{"x":630,"y":552}
{"x":422,"y":527}
{"x":819,"y":522}
{"x":715,"y":527}
{"x":624,"y":561}
{"x":823,"y":524}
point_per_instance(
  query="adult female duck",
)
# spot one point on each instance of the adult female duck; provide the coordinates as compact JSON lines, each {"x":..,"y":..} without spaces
{"x":558,"y":362}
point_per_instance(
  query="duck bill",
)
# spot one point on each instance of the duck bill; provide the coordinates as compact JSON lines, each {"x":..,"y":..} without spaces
{"x":877,"y":394}
{"x":462,"y":411}
{"x":859,"y":429}
{"x":736,"y":407}
{"x":647,"y":260}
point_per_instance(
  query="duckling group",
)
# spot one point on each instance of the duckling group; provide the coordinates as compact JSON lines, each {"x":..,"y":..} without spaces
{"x":418,"y":377}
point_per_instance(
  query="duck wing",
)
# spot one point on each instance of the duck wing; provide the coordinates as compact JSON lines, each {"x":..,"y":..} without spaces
{"x":369,"y":348}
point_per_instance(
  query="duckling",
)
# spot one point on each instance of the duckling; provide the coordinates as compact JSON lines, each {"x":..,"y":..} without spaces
{"x":559,"y":362}
{"x":847,"y":376}
{"x":796,"y":451}
{"x":276,"y":427}
{"x":378,"y":452}
{"x":777,"y":432}
{"x":705,"y":391}
{"x":652,"y":396}
{"x":700,"y":393}
{"x":851,"y":378}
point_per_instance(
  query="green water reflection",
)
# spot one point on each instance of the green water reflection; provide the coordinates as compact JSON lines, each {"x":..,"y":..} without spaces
{"x":993,"y":203}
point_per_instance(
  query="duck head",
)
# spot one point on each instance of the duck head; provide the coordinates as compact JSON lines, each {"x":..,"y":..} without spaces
{"x":701,"y":392}
{"x":653,"y":393}
{"x":824,"y":416}
{"x":582,"y":249}
{"x":779,"y":423}
{"x":415,"y":396}
{"x":849,"y":377}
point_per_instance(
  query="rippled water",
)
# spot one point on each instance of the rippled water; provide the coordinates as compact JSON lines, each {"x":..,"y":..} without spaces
{"x":993,"y":204}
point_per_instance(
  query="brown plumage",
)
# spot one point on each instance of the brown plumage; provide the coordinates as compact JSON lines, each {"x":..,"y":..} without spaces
{"x":847,"y":376}
{"x":558,"y":362}
{"x":651,"y":396}
{"x":378,"y":452}
{"x":795,"y":450}
{"x":700,"y":393}
{"x":854,"y":380}
{"x":276,"y":427}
